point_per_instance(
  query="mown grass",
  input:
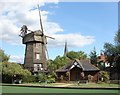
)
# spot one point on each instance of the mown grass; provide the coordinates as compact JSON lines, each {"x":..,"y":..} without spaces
{"x":16,"y":89}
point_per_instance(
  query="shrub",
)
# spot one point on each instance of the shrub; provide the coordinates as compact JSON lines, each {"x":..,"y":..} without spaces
{"x":50,"y":79}
{"x":104,"y":76}
{"x":41,"y":77}
{"x":6,"y":79}
{"x":45,"y":78}
{"x":90,"y":78}
{"x":29,"y":79}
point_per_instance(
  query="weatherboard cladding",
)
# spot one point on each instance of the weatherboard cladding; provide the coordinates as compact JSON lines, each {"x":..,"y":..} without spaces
{"x":35,"y":36}
{"x":84,"y":64}
{"x":34,"y":46}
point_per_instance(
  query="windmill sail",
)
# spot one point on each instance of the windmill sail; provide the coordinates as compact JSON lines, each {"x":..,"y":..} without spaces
{"x":43,"y":39}
{"x":40,"y":19}
{"x":44,"y":48}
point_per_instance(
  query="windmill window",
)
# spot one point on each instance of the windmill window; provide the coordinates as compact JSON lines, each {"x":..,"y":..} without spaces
{"x":41,"y":65}
{"x":37,"y":56}
{"x":38,"y":67}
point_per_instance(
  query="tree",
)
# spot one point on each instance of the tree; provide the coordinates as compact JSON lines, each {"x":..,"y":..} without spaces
{"x":113,"y":51}
{"x":76,"y":55}
{"x":82,"y":55}
{"x":109,"y":51}
{"x":93,"y":57}
{"x":117,"y":38}
{"x":52,"y":66}
{"x":57,"y":63}
{"x":72,"y":55}
{"x":11,"y":70}
{"x":60,"y":61}
{"x":0,"y":68}
{"x":3,"y":57}
{"x":117,"y":47}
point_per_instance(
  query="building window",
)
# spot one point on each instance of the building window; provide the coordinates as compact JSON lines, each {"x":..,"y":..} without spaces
{"x":38,"y":67}
{"x":37,"y":56}
{"x":41,"y":65}
{"x":35,"y":67}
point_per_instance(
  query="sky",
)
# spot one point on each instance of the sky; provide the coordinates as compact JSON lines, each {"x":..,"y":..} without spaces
{"x":84,"y":25}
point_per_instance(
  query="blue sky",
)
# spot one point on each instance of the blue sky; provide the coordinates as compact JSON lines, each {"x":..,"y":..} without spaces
{"x":83,"y":25}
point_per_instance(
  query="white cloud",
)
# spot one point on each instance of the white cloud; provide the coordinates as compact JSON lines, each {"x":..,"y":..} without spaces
{"x":73,"y":40}
{"x":16,"y":58}
{"x":14,"y":15}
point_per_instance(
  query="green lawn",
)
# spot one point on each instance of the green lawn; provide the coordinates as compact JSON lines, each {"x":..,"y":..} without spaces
{"x":16,"y":89}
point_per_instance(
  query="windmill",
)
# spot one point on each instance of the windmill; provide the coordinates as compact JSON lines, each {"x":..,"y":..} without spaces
{"x":36,"y":50}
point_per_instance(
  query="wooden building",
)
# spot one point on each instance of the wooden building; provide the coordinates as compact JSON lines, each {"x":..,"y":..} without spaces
{"x":35,"y":57}
{"x":79,"y":70}
{"x":35,"y":52}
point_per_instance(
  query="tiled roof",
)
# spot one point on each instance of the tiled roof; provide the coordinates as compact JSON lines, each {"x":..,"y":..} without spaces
{"x":84,"y":64}
{"x":87,"y":66}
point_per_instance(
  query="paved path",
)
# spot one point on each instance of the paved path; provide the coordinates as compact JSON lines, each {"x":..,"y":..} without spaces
{"x":63,"y":85}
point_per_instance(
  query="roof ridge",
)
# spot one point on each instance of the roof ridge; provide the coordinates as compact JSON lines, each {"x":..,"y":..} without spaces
{"x":80,"y":64}
{"x":64,"y":67}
